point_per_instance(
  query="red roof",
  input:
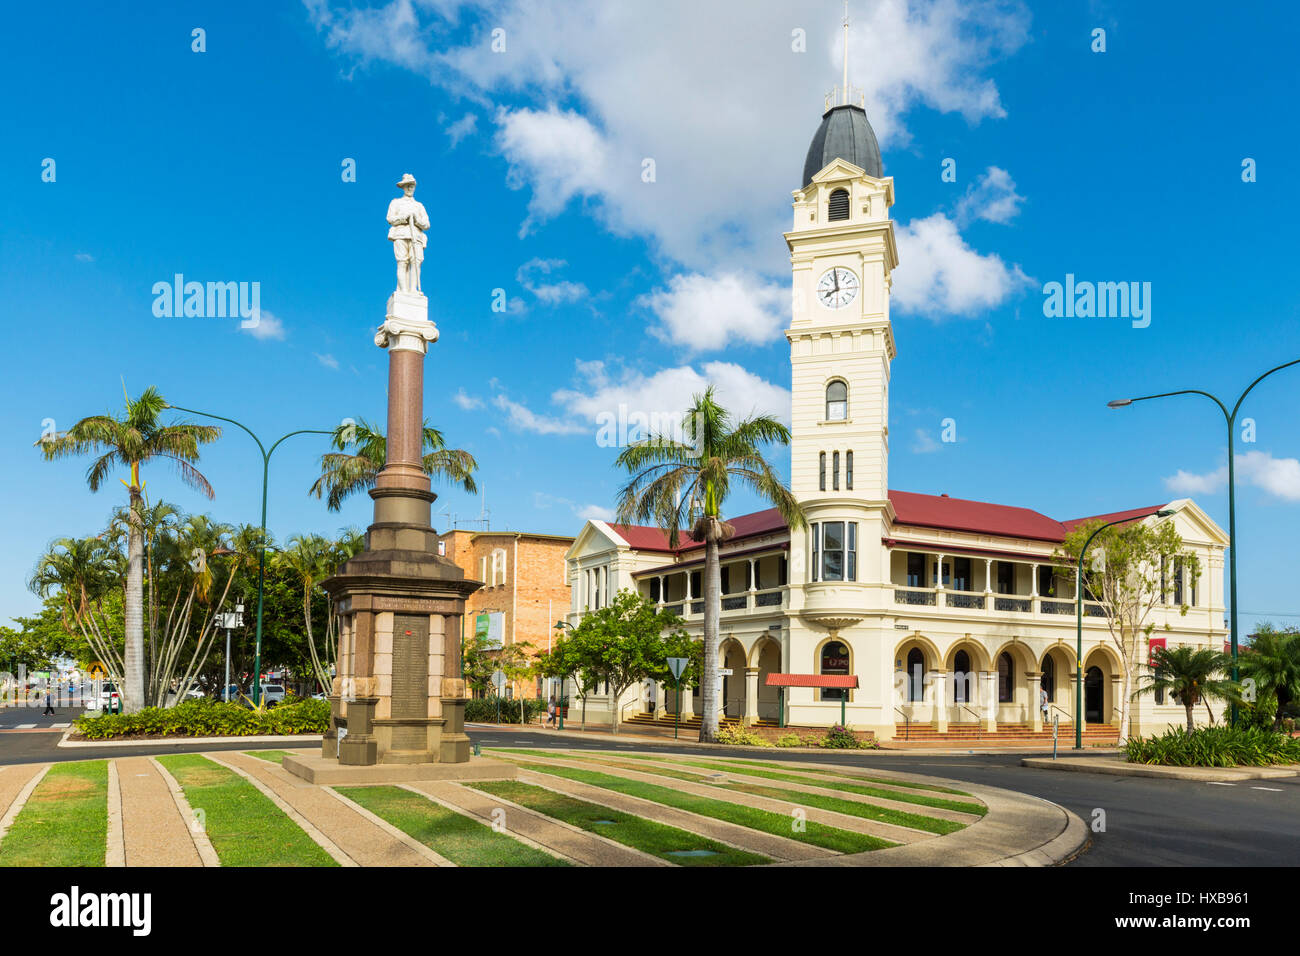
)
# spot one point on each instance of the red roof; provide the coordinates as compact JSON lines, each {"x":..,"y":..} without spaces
{"x":910,"y":508}
{"x":812,"y":680}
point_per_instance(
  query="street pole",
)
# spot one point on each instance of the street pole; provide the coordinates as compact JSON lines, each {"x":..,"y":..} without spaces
{"x":261,"y":544}
{"x":1231,"y":418}
{"x":559,"y":703}
{"x":226,"y":689}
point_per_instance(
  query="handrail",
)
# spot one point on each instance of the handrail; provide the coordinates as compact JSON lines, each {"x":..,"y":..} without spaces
{"x":907,"y":723}
{"x":1069,"y":715}
{"x":979,"y":733}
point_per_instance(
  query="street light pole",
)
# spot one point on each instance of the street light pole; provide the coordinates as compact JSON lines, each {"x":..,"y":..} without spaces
{"x":559,"y":703}
{"x":1231,"y":419}
{"x":261,"y":544}
{"x":1078,"y":600}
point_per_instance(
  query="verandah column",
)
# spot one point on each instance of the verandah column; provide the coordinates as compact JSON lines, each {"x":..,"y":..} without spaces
{"x":751,"y":695}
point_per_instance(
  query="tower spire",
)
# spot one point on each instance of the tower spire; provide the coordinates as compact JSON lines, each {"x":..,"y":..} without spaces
{"x":844,"y":91}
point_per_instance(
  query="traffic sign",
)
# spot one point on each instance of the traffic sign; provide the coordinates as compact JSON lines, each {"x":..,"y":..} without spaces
{"x":96,"y":671}
{"x":676,"y":665}
{"x":498,"y":680}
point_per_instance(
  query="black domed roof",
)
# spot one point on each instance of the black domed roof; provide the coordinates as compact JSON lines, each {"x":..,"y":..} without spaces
{"x":844,"y":134}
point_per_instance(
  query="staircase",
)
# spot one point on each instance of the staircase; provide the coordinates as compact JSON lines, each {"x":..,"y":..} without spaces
{"x":1007,"y":735}
{"x":644,"y":721}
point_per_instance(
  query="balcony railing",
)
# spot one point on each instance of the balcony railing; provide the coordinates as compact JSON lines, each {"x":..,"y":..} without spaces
{"x":1056,"y":607}
{"x":769,"y":598}
{"x":1018,"y":605}
{"x":963,"y":599}
{"x":917,"y":598}
{"x":734,"y":602}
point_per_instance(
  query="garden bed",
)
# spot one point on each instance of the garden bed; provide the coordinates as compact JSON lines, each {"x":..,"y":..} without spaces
{"x":1215,"y":747}
{"x":203,"y":718}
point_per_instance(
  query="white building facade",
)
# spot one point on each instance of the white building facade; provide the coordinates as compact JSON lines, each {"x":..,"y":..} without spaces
{"x":946,"y":611}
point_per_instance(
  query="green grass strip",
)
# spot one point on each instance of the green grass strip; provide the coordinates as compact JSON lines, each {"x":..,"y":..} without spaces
{"x":868,"y":811}
{"x":694,"y":777}
{"x":244,"y":826}
{"x":460,"y":839}
{"x":272,"y":756}
{"x":777,"y":824}
{"x":64,"y":822}
{"x":656,"y":839}
{"x":819,"y":770}
{"x":960,"y":806}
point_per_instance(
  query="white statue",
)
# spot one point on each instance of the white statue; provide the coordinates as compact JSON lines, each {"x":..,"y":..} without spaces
{"x":407,"y":222}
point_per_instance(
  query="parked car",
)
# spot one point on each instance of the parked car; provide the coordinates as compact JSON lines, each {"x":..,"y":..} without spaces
{"x":272,"y":694}
{"x":109,"y":699}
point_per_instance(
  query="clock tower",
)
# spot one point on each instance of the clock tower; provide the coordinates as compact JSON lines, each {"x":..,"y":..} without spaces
{"x":842,"y":254}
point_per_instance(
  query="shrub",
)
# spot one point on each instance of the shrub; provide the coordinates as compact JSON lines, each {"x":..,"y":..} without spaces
{"x":483,"y":710}
{"x":209,"y":718}
{"x":1215,"y":747}
{"x":789,"y":740}
{"x":740,"y":736}
{"x":841,"y":738}
{"x":1261,"y":713}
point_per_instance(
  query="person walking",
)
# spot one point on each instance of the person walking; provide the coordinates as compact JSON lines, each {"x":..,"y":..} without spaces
{"x":49,"y":702}
{"x":1042,"y":702}
{"x":550,"y":712}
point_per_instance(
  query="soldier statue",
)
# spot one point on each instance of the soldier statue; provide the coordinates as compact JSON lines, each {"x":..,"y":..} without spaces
{"x":407,"y":222}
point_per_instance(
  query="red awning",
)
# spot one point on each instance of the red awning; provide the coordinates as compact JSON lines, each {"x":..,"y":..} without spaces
{"x":812,"y":680}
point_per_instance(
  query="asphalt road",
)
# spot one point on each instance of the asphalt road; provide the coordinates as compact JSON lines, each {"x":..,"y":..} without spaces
{"x":1147,"y":822}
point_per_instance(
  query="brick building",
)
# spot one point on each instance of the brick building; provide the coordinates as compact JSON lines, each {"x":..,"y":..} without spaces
{"x":525,"y":585}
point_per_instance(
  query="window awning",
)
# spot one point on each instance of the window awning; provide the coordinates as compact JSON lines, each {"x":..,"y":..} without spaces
{"x":812,"y":680}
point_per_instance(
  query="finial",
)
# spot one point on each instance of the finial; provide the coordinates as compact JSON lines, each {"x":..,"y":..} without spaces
{"x":845,"y":89}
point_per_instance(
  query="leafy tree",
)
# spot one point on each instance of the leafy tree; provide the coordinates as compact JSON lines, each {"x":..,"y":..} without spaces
{"x":360,"y":456}
{"x":1127,"y":574}
{"x":136,"y":438}
{"x":676,"y":485}
{"x":76,"y":576}
{"x":1190,"y":675}
{"x":1272,"y":663}
{"x":623,"y":643}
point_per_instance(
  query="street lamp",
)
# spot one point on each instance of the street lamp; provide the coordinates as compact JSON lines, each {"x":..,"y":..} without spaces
{"x":1231,"y":418}
{"x":261,"y":544}
{"x":559,"y":704}
{"x":1078,"y":600}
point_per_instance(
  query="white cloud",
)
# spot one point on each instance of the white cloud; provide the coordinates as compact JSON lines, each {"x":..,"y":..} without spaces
{"x":329,"y":361}
{"x":463,"y":127}
{"x":1279,"y":477}
{"x":992,"y":197}
{"x":939,"y":274}
{"x":924,"y":443}
{"x":550,"y":293}
{"x":665,"y":395}
{"x":709,"y":311}
{"x":268,"y":327}
{"x":594,"y":513}
{"x":524,"y":419}
{"x":466,"y":401}
{"x":726,"y":94}
{"x":84,"y":257}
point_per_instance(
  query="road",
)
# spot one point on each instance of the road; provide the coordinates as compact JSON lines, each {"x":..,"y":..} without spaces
{"x":1147,"y":822}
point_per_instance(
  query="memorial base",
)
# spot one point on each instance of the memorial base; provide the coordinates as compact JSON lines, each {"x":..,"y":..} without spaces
{"x":327,"y":771}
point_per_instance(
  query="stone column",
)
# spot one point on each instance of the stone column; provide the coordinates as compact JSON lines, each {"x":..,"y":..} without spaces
{"x":751,"y":695}
{"x":1034,"y":680}
{"x":989,"y":693}
{"x":939,"y":687}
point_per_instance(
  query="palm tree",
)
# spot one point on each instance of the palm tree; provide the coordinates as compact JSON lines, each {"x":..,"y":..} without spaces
{"x":1272,"y":661}
{"x":678,"y":485}
{"x":361,"y":454}
{"x":136,"y":438}
{"x":310,"y":558}
{"x":80,"y":571}
{"x":1190,"y":675}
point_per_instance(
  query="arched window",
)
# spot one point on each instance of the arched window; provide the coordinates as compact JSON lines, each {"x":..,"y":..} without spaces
{"x":848,"y":471}
{"x":837,"y":401}
{"x":1048,"y":679}
{"x":838,"y":205}
{"x":1004,"y":678}
{"x":835,"y":660}
{"x":821,"y":471}
{"x":961,"y":677}
{"x":915,"y":675}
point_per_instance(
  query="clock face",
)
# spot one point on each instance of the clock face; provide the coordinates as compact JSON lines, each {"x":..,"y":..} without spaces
{"x":837,"y":288}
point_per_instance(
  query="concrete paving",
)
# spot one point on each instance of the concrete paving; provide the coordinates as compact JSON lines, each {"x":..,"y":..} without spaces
{"x":1119,"y":767}
{"x":733,"y":835}
{"x":570,"y":842}
{"x":154,"y":832}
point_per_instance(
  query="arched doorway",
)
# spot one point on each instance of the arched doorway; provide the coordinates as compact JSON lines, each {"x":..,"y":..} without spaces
{"x":834,"y":659}
{"x":1093,"y":695}
{"x":962,"y":678}
{"x":732,"y":699}
{"x":769,"y":662}
{"x":915,"y":676}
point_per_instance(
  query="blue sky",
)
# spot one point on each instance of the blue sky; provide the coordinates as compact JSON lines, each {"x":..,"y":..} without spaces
{"x":225,"y":165}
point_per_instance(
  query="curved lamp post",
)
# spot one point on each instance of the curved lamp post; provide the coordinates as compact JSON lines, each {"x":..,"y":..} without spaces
{"x":1078,"y":600}
{"x":559,"y":704}
{"x":1231,"y":418}
{"x":261,"y":544}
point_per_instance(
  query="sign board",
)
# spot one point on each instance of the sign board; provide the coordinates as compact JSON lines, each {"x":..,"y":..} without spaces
{"x":725,"y":672}
{"x":498,"y":680}
{"x":96,"y":671}
{"x":676,"y":666}
{"x":489,"y":629}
